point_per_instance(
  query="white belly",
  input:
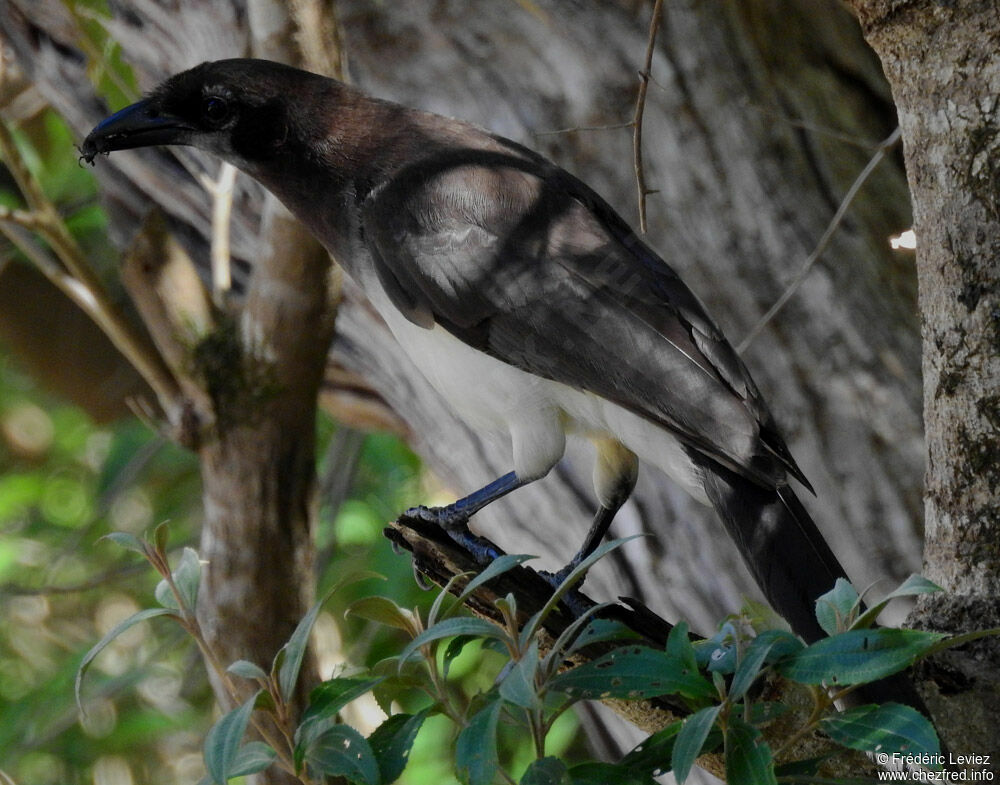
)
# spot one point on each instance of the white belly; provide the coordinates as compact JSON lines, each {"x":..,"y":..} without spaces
{"x":537,"y":412}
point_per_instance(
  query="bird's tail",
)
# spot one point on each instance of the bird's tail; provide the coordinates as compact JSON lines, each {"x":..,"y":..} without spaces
{"x":780,"y":544}
{"x":791,"y":562}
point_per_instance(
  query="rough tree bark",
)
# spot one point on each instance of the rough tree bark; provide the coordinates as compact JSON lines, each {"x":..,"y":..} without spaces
{"x":760,"y":116}
{"x":942,"y":63}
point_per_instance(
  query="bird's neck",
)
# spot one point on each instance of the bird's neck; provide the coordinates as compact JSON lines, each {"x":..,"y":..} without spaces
{"x":339,"y":159}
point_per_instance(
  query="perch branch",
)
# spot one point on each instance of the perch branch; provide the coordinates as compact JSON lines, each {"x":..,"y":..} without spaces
{"x":439,"y":558}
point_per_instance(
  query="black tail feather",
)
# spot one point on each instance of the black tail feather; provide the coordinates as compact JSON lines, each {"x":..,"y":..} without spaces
{"x":790,"y":561}
{"x":780,"y":544}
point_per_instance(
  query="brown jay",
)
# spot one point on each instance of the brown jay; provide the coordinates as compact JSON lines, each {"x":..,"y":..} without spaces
{"x":524,"y":297}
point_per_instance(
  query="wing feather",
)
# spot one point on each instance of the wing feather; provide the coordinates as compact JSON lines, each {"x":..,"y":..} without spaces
{"x":521,"y":260}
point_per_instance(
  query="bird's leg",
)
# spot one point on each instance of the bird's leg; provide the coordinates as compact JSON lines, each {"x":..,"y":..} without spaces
{"x":454,"y":518}
{"x":598,"y":528}
{"x":615,"y":473}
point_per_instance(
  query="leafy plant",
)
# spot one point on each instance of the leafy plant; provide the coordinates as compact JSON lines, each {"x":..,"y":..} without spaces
{"x":715,"y":679}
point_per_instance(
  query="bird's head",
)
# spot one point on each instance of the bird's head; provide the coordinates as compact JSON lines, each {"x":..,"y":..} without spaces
{"x":240,"y":110}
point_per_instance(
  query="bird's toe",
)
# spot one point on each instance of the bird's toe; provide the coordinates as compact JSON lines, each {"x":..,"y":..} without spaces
{"x":445,"y":517}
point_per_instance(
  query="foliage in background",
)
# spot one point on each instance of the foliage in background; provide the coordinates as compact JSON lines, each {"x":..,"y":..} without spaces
{"x":65,"y":483}
{"x":531,"y":689}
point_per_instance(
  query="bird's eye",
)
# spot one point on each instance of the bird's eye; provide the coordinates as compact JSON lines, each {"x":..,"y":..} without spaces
{"x":216,"y":110}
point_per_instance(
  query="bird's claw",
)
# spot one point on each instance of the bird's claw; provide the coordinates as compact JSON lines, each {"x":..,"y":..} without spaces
{"x":445,"y":517}
{"x":455,"y":523}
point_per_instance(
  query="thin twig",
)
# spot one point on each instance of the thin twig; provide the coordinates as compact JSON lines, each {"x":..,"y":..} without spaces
{"x":640,"y":109}
{"x":816,"y":128}
{"x":97,"y":55}
{"x":319,"y":37}
{"x":824,"y":241}
{"x":611,"y":127}
{"x":25,"y":218}
{"x":82,"y":283}
{"x":222,"y":210}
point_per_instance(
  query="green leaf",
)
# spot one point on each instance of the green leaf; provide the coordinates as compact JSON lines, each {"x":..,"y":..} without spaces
{"x":559,"y":649}
{"x":455,"y":647}
{"x":754,"y":657}
{"x":857,"y":656}
{"x":592,"y":773}
{"x":679,"y":645}
{"x":498,"y":566}
{"x":435,"y":609}
{"x":293,"y":652}
{"x":476,"y":760}
{"x":247,"y":670}
{"x":546,"y":771}
{"x":960,"y":640}
{"x":835,"y":608}
{"x":398,"y":680}
{"x":288,"y":661}
{"x":325,"y":702}
{"x":113,"y":633}
{"x":165,"y":596}
{"x":186,"y":578}
{"x":633,"y":672}
{"x":128,"y":541}
{"x":340,"y":751}
{"x":888,"y":728}
{"x":252,"y":757}
{"x":161,"y":536}
{"x":518,"y":686}
{"x":222,"y":744}
{"x":576,"y":575}
{"x":718,"y":653}
{"x":691,"y":740}
{"x":915,"y":584}
{"x":450,"y":628}
{"x":391,"y":743}
{"x":761,"y":616}
{"x":653,"y":754}
{"x":600,"y":630}
{"x":384,"y":611}
{"x":748,"y":757}
{"x":912,"y":586}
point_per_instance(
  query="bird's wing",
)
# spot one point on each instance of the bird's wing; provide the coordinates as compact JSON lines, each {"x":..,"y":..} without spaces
{"x":524,"y":262}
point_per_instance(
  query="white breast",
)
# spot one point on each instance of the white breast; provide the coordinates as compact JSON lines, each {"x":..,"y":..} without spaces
{"x":537,"y":412}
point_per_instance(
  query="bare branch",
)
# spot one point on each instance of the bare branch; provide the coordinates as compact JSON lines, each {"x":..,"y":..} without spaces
{"x":221,"y":190}
{"x":74,"y":276}
{"x":824,"y":241}
{"x":170,"y":297}
{"x":571,"y":129}
{"x":318,"y":36}
{"x":640,"y":108}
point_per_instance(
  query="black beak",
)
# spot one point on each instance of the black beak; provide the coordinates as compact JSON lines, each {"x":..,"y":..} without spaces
{"x":139,"y":125}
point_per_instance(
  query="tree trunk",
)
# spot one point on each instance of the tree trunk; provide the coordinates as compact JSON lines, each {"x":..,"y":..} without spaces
{"x":942,"y":63}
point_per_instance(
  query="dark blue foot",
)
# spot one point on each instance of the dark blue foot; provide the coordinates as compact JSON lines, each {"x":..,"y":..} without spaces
{"x":446,"y":517}
{"x":573,"y":599}
{"x":455,"y":523}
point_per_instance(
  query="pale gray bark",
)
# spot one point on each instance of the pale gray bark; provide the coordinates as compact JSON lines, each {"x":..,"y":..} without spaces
{"x":944,"y":69}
